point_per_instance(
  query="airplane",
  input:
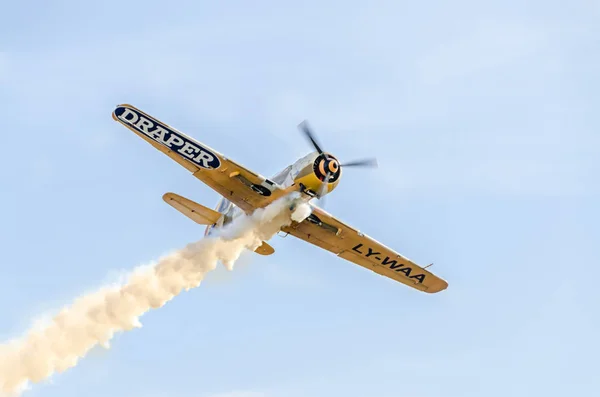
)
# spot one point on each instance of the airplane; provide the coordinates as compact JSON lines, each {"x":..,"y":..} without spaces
{"x":243,"y":191}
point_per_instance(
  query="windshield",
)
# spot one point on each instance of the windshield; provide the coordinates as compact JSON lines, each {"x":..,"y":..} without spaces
{"x":282,"y":176}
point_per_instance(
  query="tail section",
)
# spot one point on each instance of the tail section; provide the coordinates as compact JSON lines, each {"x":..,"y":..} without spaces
{"x":202,"y":215}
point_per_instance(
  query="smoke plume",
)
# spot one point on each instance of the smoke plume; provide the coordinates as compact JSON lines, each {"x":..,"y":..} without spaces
{"x":92,"y":319}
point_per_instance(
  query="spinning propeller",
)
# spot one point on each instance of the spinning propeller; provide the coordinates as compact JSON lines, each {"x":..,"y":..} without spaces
{"x":327,"y":167}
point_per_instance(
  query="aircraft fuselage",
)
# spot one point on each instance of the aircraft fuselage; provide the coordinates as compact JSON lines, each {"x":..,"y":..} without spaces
{"x":308,"y":173}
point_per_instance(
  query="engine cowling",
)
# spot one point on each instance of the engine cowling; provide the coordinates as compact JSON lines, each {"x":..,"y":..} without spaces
{"x":313,"y":175}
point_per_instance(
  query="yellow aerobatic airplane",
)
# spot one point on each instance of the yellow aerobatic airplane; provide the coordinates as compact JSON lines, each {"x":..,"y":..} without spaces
{"x":243,"y":191}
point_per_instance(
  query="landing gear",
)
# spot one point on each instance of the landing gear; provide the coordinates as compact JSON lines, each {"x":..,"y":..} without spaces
{"x":260,"y":190}
{"x":306,"y":191}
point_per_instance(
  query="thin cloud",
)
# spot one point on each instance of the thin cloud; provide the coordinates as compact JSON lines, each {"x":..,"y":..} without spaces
{"x":3,"y":66}
{"x":488,"y":45}
{"x":290,"y":276}
{"x":238,"y":394}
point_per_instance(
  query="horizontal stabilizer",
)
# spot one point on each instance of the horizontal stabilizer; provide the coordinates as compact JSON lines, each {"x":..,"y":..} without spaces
{"x":196,"y":212}
{"x":265,"y":249}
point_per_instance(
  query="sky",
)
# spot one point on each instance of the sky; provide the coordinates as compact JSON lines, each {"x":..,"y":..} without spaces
{"x":483,"y":117}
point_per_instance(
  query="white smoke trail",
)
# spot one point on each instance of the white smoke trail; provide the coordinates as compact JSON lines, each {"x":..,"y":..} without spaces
{"x":94,"y":318}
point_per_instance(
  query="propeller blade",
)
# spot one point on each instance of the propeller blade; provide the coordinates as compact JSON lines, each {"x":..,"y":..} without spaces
{"x":322,"y":190}
{"x":323,"y":187}
{"x":361,"y":163}
{"x":304,"y":127}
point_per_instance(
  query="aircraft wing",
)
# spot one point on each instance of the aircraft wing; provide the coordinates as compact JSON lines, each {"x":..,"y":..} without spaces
{"x":327,"y":232}
{"x":246,"y":189}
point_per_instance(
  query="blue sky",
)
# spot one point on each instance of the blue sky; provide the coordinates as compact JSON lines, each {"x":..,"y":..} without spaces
{"x":483,"y":117}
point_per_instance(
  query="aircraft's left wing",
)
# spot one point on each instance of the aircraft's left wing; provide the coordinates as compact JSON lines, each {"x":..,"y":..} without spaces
{"x":329,"y":233}
{"x":245,"y":188}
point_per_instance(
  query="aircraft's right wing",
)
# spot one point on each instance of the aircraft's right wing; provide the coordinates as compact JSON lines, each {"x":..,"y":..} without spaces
{"x":327,"y":232}
{"x":245,"y":188}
